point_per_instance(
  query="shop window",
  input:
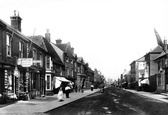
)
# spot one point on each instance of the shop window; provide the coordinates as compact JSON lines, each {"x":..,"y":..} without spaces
{"x":48,"y":82}
{"x":159,"y":80}
{"x":34,"y":81}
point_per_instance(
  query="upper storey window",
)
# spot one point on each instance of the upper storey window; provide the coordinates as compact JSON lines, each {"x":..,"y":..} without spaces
{"x":8,"y":45}
{"x":20,"y":49}
{"x":34,"y":56}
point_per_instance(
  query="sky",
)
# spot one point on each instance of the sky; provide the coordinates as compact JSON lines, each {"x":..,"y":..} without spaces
{"x":108,"y":34}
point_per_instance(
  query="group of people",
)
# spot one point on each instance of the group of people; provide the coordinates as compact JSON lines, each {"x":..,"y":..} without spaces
{"x":61,"y":92}
{"x":66,"y":90}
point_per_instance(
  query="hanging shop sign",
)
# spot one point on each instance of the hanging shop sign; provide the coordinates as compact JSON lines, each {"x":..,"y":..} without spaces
{"x":37,"y":61}
{"x":25,"y":62}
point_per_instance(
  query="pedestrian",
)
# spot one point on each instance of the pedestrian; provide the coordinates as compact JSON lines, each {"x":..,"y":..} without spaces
{"x":67,"y":91}
{"x":91,"y":87}
{"x":60,"y":95}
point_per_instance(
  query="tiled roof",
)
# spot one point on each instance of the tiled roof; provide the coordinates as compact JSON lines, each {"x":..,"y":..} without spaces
{"x":38,"y":40}
{"x":62,"y":46}
{"x":54,"y":52}
{"x":66,"y":48}
{"x":59,"y":52}
{"x":157,"y":49}
{"x":161,"y":55}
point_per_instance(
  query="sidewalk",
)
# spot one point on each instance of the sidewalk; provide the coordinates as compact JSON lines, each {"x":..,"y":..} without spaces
{"x":41,"y":105}
{"x":162,"y":97}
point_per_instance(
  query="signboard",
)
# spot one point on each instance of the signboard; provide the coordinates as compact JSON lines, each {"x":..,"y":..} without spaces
{"x":25,"y":62}
{"x":36,"y":61}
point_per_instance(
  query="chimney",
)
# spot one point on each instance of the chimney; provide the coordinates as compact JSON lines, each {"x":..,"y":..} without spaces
{"x":16,"y":21}
{"x":58,"y":41}
{"x":47,"y":35}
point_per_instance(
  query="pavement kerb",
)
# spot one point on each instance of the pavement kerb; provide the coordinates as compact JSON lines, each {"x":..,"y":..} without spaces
{"x":72,"y":101}
{"x":162,"y":97}
{"x":41,"y":107}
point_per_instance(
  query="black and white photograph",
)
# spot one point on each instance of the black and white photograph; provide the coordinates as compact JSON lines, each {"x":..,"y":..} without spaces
{"x":83,"y":57}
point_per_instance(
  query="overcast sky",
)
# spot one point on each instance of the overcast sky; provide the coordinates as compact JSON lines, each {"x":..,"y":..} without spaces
{"x":108,"y":34}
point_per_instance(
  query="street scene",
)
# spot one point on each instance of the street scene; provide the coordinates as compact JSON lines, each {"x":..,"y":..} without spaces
{"x":111,"y":101}
{"x":83,"y":57}
{"x":114,"y":102}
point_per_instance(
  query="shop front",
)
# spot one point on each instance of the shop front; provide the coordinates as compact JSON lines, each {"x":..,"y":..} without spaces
{"x":7,"y":83}
{"x":80,"y":82}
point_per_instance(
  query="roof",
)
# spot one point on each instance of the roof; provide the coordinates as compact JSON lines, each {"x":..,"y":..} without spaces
{"x":54,"y":52}
{"x":140,"y":59}
{"x":157,"y":49}
{"x":38,"y":40}
{"x":66,"y":47}
{"x":15,"y":31}
{"x":79,"y":59}
{"x":59,"y":52}
{"x":161,"y":55}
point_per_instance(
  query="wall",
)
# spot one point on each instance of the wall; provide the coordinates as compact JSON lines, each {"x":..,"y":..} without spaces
{"x":153,"y":65}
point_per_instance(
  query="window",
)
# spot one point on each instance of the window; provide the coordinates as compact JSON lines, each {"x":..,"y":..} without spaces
{"x":61,"y":71}
{"x":48,"y":82}
{"x":34,"y":56}
{"x":78,"y":69}
{"x":47,"y":62}
{"x":27,"y":48}
{"x":8,"y":45}
{"x":67,"y":60}
{"x":20,"y":49}
{"x":41,"y":59}
{"x":71,"y":61}
{"x":75,"y":67}
{"x":67,"y":71}
{"x":159,"y":80}
{"x":81,"y":69}
{"x":72,"y":72}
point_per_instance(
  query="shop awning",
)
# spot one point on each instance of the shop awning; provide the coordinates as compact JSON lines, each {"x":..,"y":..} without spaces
{"x":62,"y":79}
{"x":145,"y":81}
{"x":59,"y":80}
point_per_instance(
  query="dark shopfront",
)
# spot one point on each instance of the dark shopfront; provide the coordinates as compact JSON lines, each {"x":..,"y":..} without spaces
{"x":7,"y":82}
{"x":36,"y":85}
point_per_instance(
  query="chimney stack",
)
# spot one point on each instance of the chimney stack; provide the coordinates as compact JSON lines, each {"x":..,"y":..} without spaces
{"x":58,"y":41}
{"x":16,"y":21}
{"x":47,"y":35}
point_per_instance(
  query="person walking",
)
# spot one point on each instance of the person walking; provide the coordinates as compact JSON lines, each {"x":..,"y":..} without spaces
{"x":67,"y":91}
{"x":60,"y":95}
{"x":91,"y":87}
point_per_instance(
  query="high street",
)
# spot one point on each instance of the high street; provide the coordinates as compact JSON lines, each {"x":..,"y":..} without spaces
{"x":115,"y":102}
{"x":110,"y":102}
